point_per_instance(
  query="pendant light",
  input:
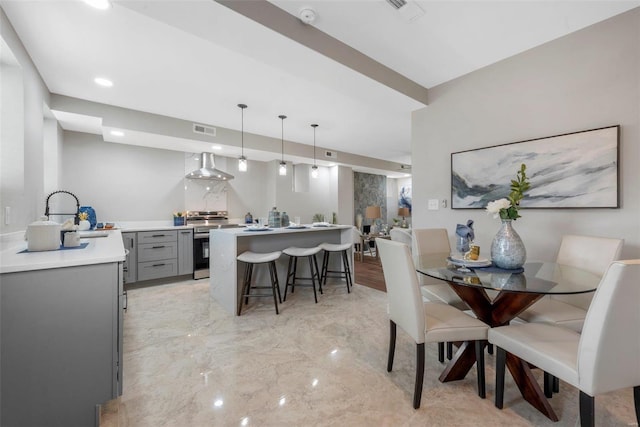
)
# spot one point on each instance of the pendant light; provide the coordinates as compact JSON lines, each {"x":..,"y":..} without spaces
{"x":242,"y":161}
{"x":283,"y":166}
{"x":314,"y":168}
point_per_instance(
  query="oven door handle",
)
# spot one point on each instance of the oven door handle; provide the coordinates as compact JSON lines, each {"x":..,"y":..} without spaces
{"x":201,"y":236}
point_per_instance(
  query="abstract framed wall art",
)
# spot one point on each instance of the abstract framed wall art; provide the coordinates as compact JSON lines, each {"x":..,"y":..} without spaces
{"x":573,"y":170}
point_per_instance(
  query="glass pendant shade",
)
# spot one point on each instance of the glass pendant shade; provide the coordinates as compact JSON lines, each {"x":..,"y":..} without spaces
{"x":282,"y":169}
{"x":242,"y":164}
{"x":314,"y":171}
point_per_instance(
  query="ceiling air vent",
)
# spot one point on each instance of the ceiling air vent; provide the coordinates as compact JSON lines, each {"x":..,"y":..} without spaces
{"x":408,"y":10}
{"x":397,"y":4}
{"x":330,"y":154}
{"x":204,"y":130}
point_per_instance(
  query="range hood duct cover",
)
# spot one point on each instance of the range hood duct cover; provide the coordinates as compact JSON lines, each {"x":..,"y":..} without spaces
{"x":208,"y":170}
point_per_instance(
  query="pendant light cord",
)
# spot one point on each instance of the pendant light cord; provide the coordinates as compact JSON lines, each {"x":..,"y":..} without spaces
{"x":282,"y":117}
{"x":314,"y":126}
{"x":242,"y":107}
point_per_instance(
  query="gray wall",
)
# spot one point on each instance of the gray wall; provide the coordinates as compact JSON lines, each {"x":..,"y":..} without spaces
{"x":22,"y":149}
{"x":132,"y":183}
{"x":585,"y":80}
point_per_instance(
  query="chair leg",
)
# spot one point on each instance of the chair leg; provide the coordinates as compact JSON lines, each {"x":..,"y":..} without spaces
{"x":313,"y":276}
{"x":556,"y":385}
{"x":274,"y":284}
{"x":587,"y":418}
{"x":490,"y":348}
{"x":501,"y":361}
{"x":286,"y":282}
{"x":315,"y":263}
{"x":347,"y":271}
{"x":548,"y":385}
{"x":392,"y":344}
{"x":441,"y":352}
{"x":636,"y":401}
{"x":417,"y":392}
{"x":449,"y":350}
{"x":480,"y":368}
{"x":325,"y":267}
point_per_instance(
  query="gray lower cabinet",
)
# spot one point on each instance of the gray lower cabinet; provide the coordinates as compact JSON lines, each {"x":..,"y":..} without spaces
{"x":185,"y":252}
{"x":158,"y":254}
{"x":130,"y":241}
{"x":61,"y":353}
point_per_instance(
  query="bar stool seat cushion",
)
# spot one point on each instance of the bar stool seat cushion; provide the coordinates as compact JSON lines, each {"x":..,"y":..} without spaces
{"x":335,"y":247}
{"x":257,"y":258}
{"x":294,"y":251}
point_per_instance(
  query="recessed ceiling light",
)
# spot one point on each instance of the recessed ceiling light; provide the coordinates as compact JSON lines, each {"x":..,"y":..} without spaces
{"x":117,"y":133}
{"x":103,"y":82}
{"x":216,"y":147}
{"x":99,"y":4}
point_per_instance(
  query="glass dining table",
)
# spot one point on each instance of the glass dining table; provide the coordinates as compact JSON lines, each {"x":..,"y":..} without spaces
{"x":496,"y":297}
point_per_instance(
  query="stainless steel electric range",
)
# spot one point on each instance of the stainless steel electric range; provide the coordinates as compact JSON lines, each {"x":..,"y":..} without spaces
{"x":203,"y":222}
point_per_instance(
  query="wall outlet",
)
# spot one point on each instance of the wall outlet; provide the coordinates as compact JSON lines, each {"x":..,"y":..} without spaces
{"x":433,"y":204}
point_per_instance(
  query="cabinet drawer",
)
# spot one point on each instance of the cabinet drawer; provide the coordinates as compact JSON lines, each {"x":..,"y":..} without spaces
{"x":157,"y":236}
{"x":157,"y":251}
{"x":157,"y":269}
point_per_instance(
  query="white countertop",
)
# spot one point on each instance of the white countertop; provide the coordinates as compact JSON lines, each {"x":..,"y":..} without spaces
{"x":100,"y":250}
{"x":243,"y":231}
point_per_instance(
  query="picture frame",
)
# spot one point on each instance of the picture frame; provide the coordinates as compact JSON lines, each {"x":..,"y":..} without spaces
{"x":572,"y":170}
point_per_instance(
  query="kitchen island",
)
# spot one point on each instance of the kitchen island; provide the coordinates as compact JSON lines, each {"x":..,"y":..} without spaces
{"x":61,"y":316}
{"x":226,"y":244}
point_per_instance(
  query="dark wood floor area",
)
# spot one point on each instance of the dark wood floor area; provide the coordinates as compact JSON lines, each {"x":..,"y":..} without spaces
{"x":369,"y":273}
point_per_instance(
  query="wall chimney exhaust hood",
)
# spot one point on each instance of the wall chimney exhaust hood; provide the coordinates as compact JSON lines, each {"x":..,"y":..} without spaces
{"x":208,"y":170}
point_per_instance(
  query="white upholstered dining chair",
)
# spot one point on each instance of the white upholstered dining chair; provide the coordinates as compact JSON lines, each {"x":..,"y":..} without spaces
{"x":603,"y":358}
{"x":424,"y":321}
{"x":432,"y":241}
{"x":593,"y":254}
{"x":402,"y":235}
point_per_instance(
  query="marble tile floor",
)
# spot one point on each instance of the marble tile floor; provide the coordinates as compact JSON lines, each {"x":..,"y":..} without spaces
{"x":189,"y":363}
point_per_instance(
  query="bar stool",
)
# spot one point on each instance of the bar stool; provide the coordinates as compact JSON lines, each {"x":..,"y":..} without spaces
{"x":343,"y":249}
{"x":251,"y":259}
{"x":295,"y":253}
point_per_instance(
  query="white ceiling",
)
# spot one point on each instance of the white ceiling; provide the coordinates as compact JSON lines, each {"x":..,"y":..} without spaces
{"x":195,"y":60}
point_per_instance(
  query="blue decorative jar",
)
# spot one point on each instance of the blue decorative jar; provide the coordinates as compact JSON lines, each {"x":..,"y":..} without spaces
{"x":178,"y":221}
{"x":91,"y":215}
{"x":507,"y":248}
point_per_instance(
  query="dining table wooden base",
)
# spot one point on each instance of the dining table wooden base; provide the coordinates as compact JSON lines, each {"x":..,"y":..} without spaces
{"x":497,"y":312}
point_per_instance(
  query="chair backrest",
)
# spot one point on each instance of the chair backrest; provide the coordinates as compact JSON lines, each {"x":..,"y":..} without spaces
{"x":610,"y":341}
{"x":403,"y":292}
{"x":590,"y":253}
{"x":429,"y":241}
{"x":401,"y":235}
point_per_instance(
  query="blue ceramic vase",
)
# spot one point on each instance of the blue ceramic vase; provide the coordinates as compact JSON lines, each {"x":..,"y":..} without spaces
{"x":91,"y":215}
{"x":507,"y":249}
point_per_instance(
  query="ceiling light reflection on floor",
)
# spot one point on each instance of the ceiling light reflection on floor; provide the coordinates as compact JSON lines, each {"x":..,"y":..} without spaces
{"x":218,"y":403}
{"x":282,"y":401}
{"x":334,"y":351}
{"x":314,"y":382}
{"x":244,"y":421}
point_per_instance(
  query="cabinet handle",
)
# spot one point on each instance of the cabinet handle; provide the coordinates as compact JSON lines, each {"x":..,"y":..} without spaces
{"x":126,"y":300}
{"x":158,"y":235}
{"x":158,"y":247}
{"x":158,"y":265}
{"x":185,"y":232}
{"x":131,"y":241}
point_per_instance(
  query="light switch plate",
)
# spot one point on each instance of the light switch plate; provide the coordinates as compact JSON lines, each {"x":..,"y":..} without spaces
{"x":433,"y":204}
